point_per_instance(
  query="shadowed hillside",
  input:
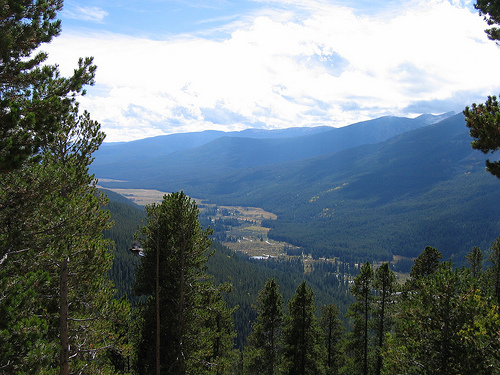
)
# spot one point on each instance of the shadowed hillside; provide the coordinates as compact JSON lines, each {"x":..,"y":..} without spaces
{"x":423,"y":187}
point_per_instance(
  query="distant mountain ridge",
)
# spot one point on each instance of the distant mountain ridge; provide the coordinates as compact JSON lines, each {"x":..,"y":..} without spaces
{"x":166,"y":144}
{"x":341,"y":193}
{"x":225,"y":152}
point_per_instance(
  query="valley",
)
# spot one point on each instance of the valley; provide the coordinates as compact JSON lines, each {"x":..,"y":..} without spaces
{"x":245,"y":235}
{"x":241,"y":230}
{"x":405,"y":184}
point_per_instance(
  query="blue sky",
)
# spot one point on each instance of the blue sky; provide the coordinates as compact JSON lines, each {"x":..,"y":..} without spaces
{"x":170,"y":66}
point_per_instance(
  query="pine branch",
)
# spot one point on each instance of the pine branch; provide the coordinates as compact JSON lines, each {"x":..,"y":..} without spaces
{"x":9,"y":252}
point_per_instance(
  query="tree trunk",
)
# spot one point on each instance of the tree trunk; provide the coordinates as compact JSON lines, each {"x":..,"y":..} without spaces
{"x":381,"y":326}
{"x":303,"y":339}
{"x":182,"y":368}
{"x":329,"y":343}
{"x":63,"y":320}
{"x":365,"y":348}
{"x":157,"y":306}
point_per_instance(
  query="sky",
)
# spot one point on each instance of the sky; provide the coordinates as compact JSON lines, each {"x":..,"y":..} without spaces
{"x":176,"y":66}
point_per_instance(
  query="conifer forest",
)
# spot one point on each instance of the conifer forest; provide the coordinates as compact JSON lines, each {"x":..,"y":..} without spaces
{"x":90,"y":284}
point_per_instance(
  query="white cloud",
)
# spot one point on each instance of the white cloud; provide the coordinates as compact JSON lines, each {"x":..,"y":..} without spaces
{"x":90,"y":13}
{"x":331,"y":66}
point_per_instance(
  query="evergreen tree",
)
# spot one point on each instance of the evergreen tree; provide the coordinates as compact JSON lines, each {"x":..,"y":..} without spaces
{"x":385,"y":285}
{"x":447,"y":327}
{"x":483,"y":120}
{"x":490,"y":10}
{"x":264,"y":343}
{"x":30,"y":117}
{"x":475,"y":261}
{"x":303,"y":351}
{"x":360,"y":311}
{"x":52,"y":226}
{"x":213,"y":349}
{"x":55,"y":295}
{"x":177,"y":317}
{"x":332,"y":330}
{"x":426,"y":263}
{"x":493,"y":273}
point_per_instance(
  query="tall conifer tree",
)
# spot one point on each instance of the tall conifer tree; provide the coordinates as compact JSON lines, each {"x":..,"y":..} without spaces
{"x":52,"y":226}
{"x":360,"y":311}
{"x":332,"y":330}
{"x":55,"y":300}
{"x":179,"y":309}
{"x":385,"y":285}
{"x":304,"y":351}
{"x":483,"y":120}
{"x":494,"y":272}
{"x":263,"y":351}
{"x":475,"y":261}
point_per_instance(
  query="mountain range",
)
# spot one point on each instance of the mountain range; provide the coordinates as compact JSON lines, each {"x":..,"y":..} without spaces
{"x":371,"y":190}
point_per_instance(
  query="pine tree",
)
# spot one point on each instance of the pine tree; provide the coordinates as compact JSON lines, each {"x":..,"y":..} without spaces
{"x":55,"y":301}
{"x":303,"y":351}
{"x":385,"y":285}
{"x":177,"y":319}
{"x":360,"y":311}
{"x":490,"y":10}
{"x":52,"y":230}
{"x":30,"y":117}
{"x":264,"y":343}
{"x":475,"y":261}
{"x":493,"y":273}
{"x":483,"y":120}
{"x":213,"y":350}
{"x":447,"y":326}
{"x":426,"y":263}
{"x":332,"y":333}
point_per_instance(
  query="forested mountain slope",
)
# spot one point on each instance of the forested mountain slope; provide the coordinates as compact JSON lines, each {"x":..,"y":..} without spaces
{"x":126,"y":217}
{"x":171,"y":161}
{"x":246,"y":276}
{"x":423,"y":187}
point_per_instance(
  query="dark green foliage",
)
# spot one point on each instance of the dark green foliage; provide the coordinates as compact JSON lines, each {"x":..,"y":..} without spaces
{"x":332,"y":334}
{"x":23,"y":334}
{"x":248,"y":277}
{"x":24,"y":25}
{"x":33,"y":98}
{"x":385,"y":286}
{"x":263,"y":352}
{"x":426,"y":263}
{"x":56,"y":307}
{"x":195,"y":329}
{"x":483,"y":121}
{"x":493,"y":274}
{"x":446,"y":327}
{"x":475,"y":261}
{"x":127,"y":218}
{"x":358,"y":342}
{"x":303,"y":349}
{"x":51,"y":229}
{"x":490,"y":10}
